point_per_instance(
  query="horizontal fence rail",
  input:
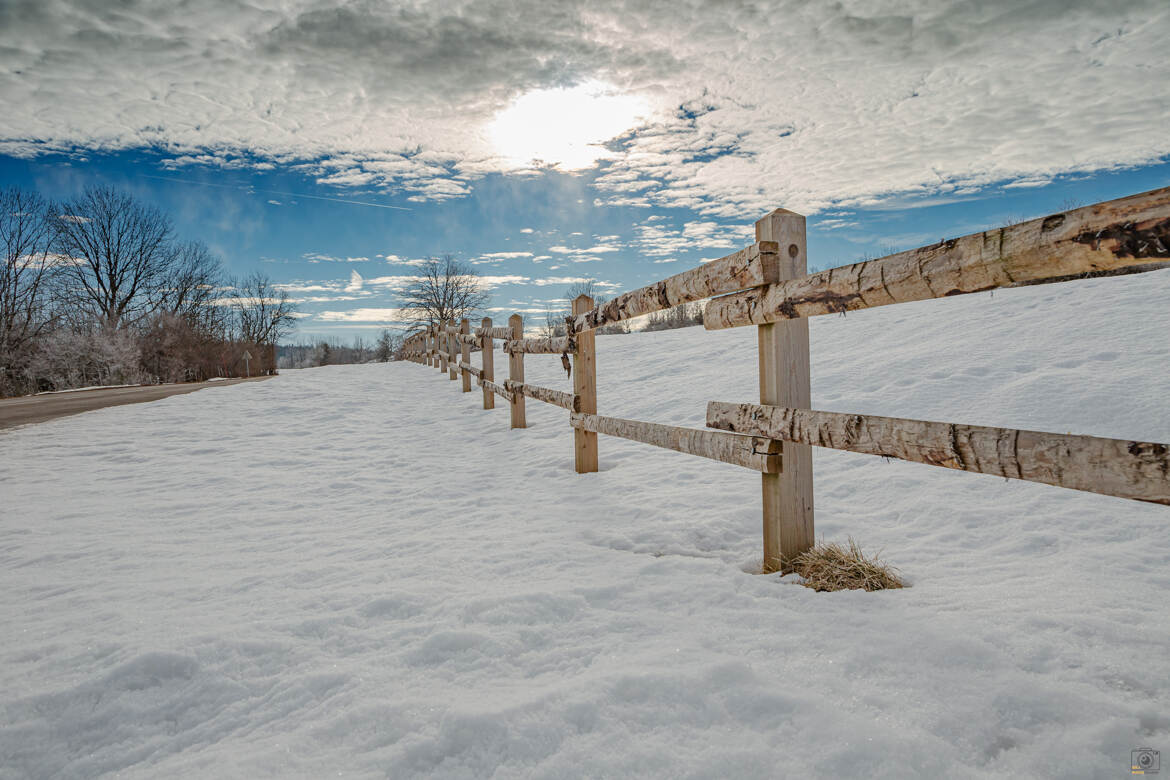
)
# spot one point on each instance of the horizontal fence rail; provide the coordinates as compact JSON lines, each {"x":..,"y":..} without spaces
{"x":752,"y":452}
{"x":749,"y":267}
{"x":1113,"y":467}
{"x":466,"y":338}
{"x":499,"y":390}
{"x":1119,"y":235}
{"x":541,"y":346}
{"x":765,"y":284}
{"x":548,"y":395}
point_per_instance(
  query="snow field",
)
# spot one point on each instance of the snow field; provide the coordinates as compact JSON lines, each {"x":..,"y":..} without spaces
{"x":356,"y":570}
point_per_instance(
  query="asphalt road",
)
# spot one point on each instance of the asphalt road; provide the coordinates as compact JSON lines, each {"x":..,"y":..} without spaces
{"x":38,"y":408}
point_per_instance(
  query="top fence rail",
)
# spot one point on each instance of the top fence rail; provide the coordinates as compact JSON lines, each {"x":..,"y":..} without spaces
{"x":1119,"y":236}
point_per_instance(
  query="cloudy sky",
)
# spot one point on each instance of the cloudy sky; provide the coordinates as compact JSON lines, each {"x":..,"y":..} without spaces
{"x":333,"y":144}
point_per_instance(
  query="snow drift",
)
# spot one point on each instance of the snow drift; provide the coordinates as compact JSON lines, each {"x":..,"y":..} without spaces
{"x":357,"y":570}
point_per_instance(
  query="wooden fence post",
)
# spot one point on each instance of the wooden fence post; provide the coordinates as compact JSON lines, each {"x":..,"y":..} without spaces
{"x":441,"y":345}
{"x":516,"y":372}
{"x":452,"y":354}
{"x":784,"y":381}
{"x":465,"y":354}
{"x":489,"y":363}
{"x":585,"y":386}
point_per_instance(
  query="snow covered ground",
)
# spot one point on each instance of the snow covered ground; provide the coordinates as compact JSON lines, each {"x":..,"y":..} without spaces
{"x":356,"y":571}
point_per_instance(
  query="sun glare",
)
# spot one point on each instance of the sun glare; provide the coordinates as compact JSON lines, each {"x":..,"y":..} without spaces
{"x":564,"y":127}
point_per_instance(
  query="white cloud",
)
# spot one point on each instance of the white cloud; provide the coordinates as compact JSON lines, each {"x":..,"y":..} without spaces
{"x":302,"y":287}
{"x":317,"y":257}
{"x":835,"y":223}
{"x":362,"y":315}
{"x":583,"y":254}
{"x":499,"y":257}
{"x":396,"y":260}
{"x":527,"y":230}
{"x":355,"y":282}
{"x":490,"y":282}
{"x":748,"y":107}
{"x":53,"y":259}
{"x":561,"y":280}
{"x":659,"y":239}
{"x":327,"y":298}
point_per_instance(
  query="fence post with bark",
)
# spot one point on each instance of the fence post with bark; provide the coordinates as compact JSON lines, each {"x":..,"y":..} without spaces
{"x":489,"y":364}
{"x":785,"y":381}
{"x":585,"y":388}
{"x":516,"y":371}
{"x":465,"y":354}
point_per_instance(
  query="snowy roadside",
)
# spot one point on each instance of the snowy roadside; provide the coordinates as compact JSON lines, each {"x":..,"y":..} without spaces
{"x":355,"y":569}
{"x":84,"y":389}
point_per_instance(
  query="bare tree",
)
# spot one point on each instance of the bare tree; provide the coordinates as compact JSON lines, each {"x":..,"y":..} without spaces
{"x":25,"y":308}
{"x":445,"y":289}
{"x":264,"y":314}
{"x":384,"y":348}
{"x":554,"y":319}
{"x":577,"y":289}
{"x":192,"y":286}
{"x":121,"y":254}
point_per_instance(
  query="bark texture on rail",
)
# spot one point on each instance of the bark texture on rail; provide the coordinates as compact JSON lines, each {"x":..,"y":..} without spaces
{"x":546,"y":394}
{"x":749,"y":267}
{"x":497,"y":389}
{"x":1119,"y":236}
{"x":475,"y":372}
{"x":495,"y":333}
{"x":467,"y":338}
{"x":753,"y":452}
{"x":1114,"y":467}
{"x":540,"y":346}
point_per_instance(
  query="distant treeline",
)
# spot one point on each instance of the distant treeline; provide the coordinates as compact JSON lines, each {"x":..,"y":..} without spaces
{"x":100,"y":290}
{"x":333,"y":351}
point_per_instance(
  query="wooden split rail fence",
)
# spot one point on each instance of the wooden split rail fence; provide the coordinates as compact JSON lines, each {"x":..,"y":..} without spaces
{"x":767,"y":285}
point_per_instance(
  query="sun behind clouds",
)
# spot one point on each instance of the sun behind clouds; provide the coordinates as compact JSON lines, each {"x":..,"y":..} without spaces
{"x":565,"y":128}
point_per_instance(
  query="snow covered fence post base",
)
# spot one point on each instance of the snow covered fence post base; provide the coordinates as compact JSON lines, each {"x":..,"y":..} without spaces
{"x":516,"y":371}
{"x":489,"y":365}
{"x":585,"y":388}
{"x":785,"y":381}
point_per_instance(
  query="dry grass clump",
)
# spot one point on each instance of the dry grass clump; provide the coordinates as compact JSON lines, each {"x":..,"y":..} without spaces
{"x":832,"y":566}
